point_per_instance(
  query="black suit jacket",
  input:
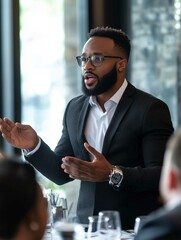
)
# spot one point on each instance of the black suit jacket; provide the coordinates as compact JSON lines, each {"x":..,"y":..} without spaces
{"x":135,"y":140}
{"x":162,"y":224}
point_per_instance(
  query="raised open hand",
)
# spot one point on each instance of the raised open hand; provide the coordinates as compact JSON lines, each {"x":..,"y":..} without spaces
{"x":96,"y":171}
{"x":18,"y":135}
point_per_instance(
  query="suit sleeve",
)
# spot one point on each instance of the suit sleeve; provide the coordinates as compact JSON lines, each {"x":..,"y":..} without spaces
{"x":155,"y":130}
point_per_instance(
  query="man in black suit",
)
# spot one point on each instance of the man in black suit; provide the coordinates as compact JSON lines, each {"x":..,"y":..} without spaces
{"x":165,"y":223}
{"x":113,"y":137}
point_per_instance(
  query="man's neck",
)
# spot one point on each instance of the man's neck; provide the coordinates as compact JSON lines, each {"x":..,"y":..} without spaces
{"x":103,"y":98}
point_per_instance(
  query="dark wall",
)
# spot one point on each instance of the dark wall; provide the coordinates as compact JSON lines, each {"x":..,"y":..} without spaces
{"x":1,"y":141}
{"x":112,"y":13}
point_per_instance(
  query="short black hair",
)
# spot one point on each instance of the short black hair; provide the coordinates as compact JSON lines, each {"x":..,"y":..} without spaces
{"x":18,"y":194}
{"x":119,"y":37}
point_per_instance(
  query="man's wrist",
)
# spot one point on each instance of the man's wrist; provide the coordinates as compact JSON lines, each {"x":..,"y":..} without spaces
{"x":37,"y":140}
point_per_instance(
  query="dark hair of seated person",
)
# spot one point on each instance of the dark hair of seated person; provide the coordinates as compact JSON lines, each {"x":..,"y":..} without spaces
{"x":21,"y":201}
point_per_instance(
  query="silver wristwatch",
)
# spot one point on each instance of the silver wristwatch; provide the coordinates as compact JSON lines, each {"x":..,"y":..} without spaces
{"x":116,"y":177}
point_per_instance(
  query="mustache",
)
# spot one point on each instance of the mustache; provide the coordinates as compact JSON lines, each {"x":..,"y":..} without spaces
{"x":86,"y":73}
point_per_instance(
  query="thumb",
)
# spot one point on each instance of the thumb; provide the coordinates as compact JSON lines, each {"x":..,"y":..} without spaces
{"x":91,"y":150}
{"x":21,"y":126}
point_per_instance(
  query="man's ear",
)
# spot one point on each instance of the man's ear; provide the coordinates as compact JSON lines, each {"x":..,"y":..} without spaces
{"x":173,"y":179}
{"x":31,"y":221}
{"x":122,"y":65}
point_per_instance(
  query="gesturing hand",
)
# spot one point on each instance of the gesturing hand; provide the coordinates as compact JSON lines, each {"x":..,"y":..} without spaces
{"x":18,"y":135}
{"x":96,"y":171}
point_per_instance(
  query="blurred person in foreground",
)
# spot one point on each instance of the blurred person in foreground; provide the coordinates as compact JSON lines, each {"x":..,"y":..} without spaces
{"x":113,"y":138}
{"x":23,"y":211}
{"x":165,"y":223}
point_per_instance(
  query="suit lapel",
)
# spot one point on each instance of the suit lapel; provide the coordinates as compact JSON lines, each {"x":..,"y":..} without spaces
{"x":85,"y":204}
{"x":80,"y":127}
{"x":123,"y":106}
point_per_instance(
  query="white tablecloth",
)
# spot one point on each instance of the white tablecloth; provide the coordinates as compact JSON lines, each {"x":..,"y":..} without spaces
{"x":51,"y":235}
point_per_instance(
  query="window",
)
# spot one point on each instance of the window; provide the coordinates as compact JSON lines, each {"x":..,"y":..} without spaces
{"x":156,"y":40}
{"x":51,"y":35}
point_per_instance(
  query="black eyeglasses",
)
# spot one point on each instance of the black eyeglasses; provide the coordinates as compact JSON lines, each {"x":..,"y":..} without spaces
{"x":95,"y":59}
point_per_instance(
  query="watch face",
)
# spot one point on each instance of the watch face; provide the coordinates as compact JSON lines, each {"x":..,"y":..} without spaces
{"x":116,"y":178}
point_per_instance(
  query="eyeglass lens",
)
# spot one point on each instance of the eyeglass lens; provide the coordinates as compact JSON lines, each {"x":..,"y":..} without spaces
{"x":96,"y":60}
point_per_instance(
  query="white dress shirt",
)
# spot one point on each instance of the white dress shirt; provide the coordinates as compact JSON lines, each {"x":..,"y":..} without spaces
{"x":98,"y":120}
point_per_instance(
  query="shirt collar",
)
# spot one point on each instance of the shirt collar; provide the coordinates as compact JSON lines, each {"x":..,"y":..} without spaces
{"x":115,"y":98}
{"x":173,"y":203}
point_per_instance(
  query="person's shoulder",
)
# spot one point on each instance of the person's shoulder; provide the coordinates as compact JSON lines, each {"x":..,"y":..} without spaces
{"x":162,"y":224}
{"x":79,"y":99}
{"x":77,"y":103}
{"x":173,"y":215}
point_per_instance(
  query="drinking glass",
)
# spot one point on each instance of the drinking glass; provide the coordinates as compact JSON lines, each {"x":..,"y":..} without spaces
{"x":93,"y":231}
{"x":138,"y":223}
{"x":69,"y":231}
{"x":109,"y":225}
{"x":58,"y":208}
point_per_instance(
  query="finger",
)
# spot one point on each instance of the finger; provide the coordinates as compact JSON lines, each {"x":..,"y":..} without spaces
{"x":91,"y":150}
{"x":7,"y":137}
{"x":21,"y":126}
{"x":7,"y":125}
{"x":65,"y":162}
{"x":2,"y":124}
{"x":9,"y":140}
{"x":5,"y":129}
{"x":9,"y":122}
{"x":72,"y":161}
{"x":14,"y":130}
{"x":68,"y":171}
{"x":80,"y":170}
{"x":76,"y":166}
{"x":69,"y":165}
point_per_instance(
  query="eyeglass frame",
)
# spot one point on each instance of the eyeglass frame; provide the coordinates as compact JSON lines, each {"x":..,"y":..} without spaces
{"x":78,"y":58}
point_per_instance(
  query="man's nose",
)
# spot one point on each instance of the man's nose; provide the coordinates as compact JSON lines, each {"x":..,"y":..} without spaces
{"x":88,"y":65}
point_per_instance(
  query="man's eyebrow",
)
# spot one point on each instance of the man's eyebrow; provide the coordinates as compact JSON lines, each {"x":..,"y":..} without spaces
{"x":95,"y":53}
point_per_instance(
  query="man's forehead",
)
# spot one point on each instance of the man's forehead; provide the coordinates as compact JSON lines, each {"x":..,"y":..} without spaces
{"x":98,"y":44}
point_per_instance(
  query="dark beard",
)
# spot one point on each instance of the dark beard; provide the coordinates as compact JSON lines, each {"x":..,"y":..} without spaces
{"x":103,"y":85}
